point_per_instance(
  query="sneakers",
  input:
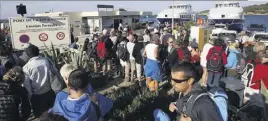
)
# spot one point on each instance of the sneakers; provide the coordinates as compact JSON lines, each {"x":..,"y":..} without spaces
{"x":126,"y":80}
{"x":141,"y":84}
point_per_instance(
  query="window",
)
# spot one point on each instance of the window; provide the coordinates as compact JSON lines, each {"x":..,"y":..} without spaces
{"x":165,"y":15}
{"x":263,"y":37}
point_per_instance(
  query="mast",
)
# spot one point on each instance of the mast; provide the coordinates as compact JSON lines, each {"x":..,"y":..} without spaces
{"x":172,"y":17}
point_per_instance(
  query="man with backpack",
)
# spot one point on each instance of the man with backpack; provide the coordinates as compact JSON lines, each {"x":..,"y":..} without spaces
{"x":203,"y":60}
{"x":216,"y":60}
{"x":123,"y":55}
{"x":193,"y":104}
{"x":104,"y":51}
{"x":137,"y":54}
{"x":92,"y":51}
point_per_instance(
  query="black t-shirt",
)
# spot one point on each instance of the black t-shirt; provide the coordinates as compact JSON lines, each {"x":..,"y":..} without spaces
{"x":137,"y":52}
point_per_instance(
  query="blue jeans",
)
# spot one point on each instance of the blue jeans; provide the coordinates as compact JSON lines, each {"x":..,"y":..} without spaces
{"x":213,"y":79}
{"x":159,"y":115}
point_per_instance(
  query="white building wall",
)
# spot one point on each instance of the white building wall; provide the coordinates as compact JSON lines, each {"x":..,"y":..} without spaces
{"x":75,"y":19}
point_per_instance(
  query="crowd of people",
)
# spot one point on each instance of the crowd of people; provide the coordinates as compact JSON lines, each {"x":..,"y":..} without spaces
{"x":144,"y":58}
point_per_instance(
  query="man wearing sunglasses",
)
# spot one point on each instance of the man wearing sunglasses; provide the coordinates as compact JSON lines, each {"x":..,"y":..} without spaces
{"x":183,"y":80}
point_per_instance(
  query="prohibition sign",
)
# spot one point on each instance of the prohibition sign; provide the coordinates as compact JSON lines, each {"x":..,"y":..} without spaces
{"x":60,"y":35}
{"x":24,"y":38}
{"x":43,"y":37}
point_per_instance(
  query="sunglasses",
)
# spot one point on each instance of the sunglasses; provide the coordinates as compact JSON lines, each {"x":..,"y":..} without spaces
{"x":180,"y":81}
{"x":170,"y":42}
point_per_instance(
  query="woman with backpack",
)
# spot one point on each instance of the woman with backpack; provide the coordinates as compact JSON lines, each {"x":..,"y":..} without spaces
{"x":232,"y":59}
{"x":216,"y":60}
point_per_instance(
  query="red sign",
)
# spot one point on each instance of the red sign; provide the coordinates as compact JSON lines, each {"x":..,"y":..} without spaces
{"x":43,"y":37}
{"x":60,"y":35}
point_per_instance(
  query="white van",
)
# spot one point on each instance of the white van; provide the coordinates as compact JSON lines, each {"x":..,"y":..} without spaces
{"x":260,"y":36}
{"x":220,"y":31}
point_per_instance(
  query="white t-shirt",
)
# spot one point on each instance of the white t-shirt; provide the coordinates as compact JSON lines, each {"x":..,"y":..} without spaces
{"x":204,"y":53}
{"x":146,"y":38}
{"x":130,"y":47}
{"x":149,"y":49}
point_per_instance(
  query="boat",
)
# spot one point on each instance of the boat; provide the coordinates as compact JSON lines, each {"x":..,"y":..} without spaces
{"x":182,"y":13}
{"x":229,"y":13}
{"x":256,"y":28}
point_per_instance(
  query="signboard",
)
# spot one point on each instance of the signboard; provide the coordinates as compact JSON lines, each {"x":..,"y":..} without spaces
{"x":39,"y":30}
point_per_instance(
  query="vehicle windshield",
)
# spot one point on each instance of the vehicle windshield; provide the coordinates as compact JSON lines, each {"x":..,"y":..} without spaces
{"x":227,"y":34}
{"x":219,"y":26}
{"x":263,"y":37}
{"x":256,"y":26}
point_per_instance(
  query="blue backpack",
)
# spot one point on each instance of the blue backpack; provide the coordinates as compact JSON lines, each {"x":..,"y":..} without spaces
{"x":218,"y":95}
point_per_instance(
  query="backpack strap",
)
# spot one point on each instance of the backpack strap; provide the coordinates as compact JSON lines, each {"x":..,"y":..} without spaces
{"x":187,"y":108}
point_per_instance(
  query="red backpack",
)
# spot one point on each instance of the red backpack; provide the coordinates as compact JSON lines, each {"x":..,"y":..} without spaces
{"x":183,"y":54}
{"x":215,"y":61}
{"x":101,"y":50}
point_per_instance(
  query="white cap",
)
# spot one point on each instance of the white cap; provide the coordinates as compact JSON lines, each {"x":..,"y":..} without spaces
{"x":165,"y":29}
{"x":155,"y":30}
{"x":104,"y":31}
{"x":245,"y":39}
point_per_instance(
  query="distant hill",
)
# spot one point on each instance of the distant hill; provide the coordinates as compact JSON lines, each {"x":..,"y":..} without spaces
{"x":205,"y":12}
{"x":253,"y":9}
{"x":256,"y":9}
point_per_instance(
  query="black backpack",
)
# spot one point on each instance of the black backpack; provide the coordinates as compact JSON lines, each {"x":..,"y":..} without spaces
{"x":183,"y":55}
{"x":8,"y":62}
{"x":241,"y":63}
{"x":215,"y":61}
{"x":122,"y":52}
{"x":92,"y":49}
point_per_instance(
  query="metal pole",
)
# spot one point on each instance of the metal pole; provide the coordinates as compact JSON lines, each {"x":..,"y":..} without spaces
{"x":0,"y":9}
{"x":172,"y":17}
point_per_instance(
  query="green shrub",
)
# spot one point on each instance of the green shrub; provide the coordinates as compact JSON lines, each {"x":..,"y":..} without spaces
{"x":188,"y":25}
{"x":137,"y":26}
{"x":137,"y":104}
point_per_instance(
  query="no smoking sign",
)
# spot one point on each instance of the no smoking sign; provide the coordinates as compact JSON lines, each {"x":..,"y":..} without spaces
{"x":60,"y":35}
{"x":43,"y":37}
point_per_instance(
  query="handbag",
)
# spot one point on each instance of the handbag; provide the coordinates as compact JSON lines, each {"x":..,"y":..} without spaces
{"x":264,"y":91}
{"x":56,"y":80}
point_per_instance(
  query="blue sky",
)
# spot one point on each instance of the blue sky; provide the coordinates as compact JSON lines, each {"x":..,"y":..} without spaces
{"x":8,"y":8}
